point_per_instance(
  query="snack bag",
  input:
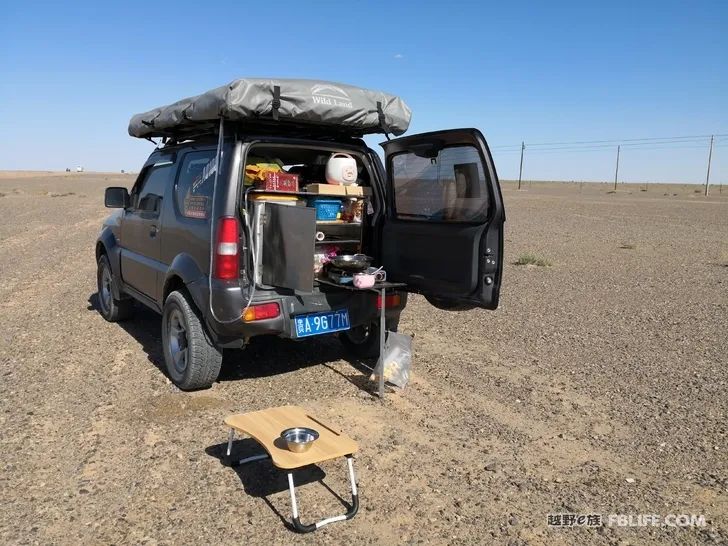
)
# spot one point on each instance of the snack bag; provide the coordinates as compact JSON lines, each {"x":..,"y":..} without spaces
{"x":257,"y":171}
{"x":397,"y":360}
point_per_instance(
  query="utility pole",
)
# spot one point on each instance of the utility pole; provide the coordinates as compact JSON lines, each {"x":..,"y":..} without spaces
{"x":520,"y":170}
{"x":616,"y":170}
{"x":707,"y":176}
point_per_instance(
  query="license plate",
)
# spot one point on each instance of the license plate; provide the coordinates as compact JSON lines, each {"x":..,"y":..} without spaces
{"x":315,"y":324}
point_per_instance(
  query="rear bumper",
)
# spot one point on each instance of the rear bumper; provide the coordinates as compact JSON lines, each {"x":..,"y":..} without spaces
{"x":229,"y":330}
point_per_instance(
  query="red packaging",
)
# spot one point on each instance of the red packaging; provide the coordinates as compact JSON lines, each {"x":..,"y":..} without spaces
{"x":277,"y":181}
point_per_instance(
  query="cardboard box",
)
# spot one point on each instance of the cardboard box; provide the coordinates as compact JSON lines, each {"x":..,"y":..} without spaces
{"x":277,"y":181}
{"x":326,"y":189}
{"x":358,"y":191}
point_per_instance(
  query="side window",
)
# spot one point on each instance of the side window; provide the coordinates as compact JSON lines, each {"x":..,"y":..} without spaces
{"x":193,"y":192}
{"x":448,"y":188}
{"x":149,"y":193}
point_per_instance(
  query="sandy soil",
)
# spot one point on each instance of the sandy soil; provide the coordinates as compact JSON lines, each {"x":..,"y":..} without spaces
{"x":599,"y":386}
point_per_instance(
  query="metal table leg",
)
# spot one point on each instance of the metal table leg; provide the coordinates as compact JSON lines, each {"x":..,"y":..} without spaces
{"x":302,"y":528}
{"x":252,"y":458}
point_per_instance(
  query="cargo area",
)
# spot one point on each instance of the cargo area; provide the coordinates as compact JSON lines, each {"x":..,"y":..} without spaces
{"x":297,"y":222}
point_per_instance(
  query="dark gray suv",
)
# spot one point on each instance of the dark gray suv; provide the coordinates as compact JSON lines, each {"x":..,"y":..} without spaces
{"x":223,"y":260}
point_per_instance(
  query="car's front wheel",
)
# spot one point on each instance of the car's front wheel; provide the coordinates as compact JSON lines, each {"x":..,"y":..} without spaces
{"x":192,"y":360}
{"x":110,"y":308}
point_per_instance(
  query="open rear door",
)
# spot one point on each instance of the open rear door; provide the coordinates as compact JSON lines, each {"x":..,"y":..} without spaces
{"x":443,"y":230}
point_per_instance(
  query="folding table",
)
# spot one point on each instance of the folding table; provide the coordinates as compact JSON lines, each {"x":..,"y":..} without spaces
{"x":265,"y":427}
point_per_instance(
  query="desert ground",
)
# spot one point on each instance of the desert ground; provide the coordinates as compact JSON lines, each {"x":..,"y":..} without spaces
{"x":598,"y":387}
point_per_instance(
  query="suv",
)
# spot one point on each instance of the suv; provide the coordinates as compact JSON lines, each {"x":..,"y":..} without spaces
{"x":186,"y":241}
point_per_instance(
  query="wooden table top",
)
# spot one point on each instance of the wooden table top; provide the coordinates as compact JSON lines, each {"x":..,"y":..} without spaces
{"x":265,"y":427}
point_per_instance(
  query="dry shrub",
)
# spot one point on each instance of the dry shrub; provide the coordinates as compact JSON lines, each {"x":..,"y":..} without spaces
{"x":532,"y":259}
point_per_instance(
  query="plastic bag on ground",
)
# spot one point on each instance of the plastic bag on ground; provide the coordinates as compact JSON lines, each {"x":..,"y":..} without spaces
{"x":397,"y":360}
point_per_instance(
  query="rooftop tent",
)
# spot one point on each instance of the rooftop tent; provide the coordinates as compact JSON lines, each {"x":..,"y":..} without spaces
{"x":353,"y":110}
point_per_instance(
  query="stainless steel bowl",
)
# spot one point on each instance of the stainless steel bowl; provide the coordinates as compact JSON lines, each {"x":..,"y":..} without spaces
{"x":299,"y":439}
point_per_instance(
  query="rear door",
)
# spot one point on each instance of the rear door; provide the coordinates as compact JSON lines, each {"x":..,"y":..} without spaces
{"x":443,"y":229}
{"x":140,"y":229}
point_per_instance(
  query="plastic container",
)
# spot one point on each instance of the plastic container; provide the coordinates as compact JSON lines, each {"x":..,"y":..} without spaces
{"x":326,"y":209}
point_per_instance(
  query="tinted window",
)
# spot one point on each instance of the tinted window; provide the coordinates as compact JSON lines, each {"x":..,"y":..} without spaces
{"x":151,"y":191}
{"x":448,"y":188}
{"x":195,"y":185}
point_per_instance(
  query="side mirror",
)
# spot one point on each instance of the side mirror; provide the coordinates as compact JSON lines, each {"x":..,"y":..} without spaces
{"x":116,"y":198}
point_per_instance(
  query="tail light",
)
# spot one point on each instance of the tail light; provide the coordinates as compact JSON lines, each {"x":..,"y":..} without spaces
{"x":390,"y":300}
{"x":227,"y":259}
{"x":262,"y":311}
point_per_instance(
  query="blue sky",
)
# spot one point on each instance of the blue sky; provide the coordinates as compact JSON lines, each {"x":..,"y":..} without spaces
{"x":74,"y":72}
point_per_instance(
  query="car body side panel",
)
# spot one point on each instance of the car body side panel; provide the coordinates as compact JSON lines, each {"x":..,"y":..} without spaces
{"x":186,"y":241}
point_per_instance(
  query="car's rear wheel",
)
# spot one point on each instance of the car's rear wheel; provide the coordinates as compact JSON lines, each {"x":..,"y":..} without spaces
{"x":110,"y":308}
{"x":192,"y":360}
{"x":363,"y":341}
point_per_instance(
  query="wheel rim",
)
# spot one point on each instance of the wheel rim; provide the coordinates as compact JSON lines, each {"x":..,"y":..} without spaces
{"x":105,"y":290}
{"x":178,"y":340}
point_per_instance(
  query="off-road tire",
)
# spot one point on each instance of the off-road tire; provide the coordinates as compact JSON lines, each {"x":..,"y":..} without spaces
{"x":202,"y":360}
{"x":110,"y":308}
{"x":365,"y":346}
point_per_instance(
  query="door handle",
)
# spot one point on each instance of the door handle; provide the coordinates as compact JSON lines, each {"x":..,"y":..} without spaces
{"x":153,"y":231}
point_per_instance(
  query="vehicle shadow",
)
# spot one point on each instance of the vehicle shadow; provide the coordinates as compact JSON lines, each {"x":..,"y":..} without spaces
{"x":264,"y":356}
{"x":145,"y":327}
{"x":260,"y":479}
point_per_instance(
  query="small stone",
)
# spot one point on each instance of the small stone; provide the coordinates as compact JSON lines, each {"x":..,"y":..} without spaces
{"x":630,"y":480}
{"x":492,"y":466}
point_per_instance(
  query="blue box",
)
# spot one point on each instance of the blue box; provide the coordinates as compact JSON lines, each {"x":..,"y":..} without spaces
{"x":326,"y":209}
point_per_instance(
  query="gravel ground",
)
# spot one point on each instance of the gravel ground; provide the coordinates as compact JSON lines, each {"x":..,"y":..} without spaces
{"x":599,"y":386}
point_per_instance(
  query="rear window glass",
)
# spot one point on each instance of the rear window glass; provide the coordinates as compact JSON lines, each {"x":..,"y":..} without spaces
{"x":448,"y":188}
{"x":195,"y":184}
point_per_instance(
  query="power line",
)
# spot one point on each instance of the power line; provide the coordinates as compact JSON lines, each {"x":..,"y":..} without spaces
{"x":633,"y":144}
{"x":607,"y":143}
{"x":564,"y":150}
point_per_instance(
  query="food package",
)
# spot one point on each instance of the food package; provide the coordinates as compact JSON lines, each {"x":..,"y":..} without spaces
{"x":278,"y":181}
{"x":353,"y":211}
{"x":397,"y":360}
{"x":255,"y":172}
{"x":323,"y":255}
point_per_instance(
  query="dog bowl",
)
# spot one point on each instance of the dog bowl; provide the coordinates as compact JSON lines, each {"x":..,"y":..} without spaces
{"x":299,"y":439}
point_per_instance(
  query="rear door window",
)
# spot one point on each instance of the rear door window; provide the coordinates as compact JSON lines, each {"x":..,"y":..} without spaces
{"x":450,"y":187}
{"x":193,"y":192}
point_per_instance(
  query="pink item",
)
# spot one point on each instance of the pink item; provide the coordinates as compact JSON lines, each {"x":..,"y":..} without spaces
{"x":363,"y":280}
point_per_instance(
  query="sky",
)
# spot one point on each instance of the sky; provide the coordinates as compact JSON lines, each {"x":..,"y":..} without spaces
{"x":73,"y":73}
